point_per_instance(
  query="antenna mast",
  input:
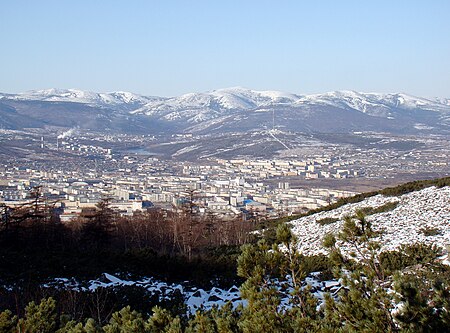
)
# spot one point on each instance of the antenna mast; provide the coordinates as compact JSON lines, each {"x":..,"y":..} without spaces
{"x":273,"y":119}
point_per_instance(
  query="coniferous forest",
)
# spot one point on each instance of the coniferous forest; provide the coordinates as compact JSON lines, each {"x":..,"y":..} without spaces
{"x":406,"y":290}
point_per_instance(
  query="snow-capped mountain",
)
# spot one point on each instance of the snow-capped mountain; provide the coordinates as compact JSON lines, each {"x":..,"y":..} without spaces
{"x":225,"y":110}
{"x":374,"y":104}
{"x":246,"y":99}
{"x":197,"y":107}
{"x":112,"y":100}
{"x":233,"y":108}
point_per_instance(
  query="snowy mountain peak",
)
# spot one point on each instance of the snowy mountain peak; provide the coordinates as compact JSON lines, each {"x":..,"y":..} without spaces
{"x":235,"y":98}
{"x":255,"y":95}
{"x":231,"y":107}
{"x":216,"y":102}
{"x":374,"y":104}
{"x":112,"y":100}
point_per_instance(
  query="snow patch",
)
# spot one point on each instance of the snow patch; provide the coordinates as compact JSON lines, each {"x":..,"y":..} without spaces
{"x":427,"y":208}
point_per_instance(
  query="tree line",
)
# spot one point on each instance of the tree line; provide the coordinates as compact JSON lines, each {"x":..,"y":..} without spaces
{"x":171,"y":246}
{"x":408,"y":296}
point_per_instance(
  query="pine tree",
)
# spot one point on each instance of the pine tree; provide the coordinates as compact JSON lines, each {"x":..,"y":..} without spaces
{"x":125,"y":321}
{"x":275,"y":274}
{"x":424,"y":302}
{"x":364,"y":304}
{"x":201,"y":323}
{"x":8,"y":322}
{"x":226,"y":319}
{"x":73,"y":327}
{"x":39,"y":318}
{"x":163,"y":321}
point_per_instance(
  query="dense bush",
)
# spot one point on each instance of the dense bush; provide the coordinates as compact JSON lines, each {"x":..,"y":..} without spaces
{"x":408,"y":255}
{"x":387,"y":207}
{"x":430,"y":231}
{"x":327,"y":220}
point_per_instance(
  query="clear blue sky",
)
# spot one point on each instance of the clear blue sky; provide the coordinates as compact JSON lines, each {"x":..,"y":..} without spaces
{"x":170,"y":47}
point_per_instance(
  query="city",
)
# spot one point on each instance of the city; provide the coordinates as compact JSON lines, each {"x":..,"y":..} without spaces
{"x":78,"y":170}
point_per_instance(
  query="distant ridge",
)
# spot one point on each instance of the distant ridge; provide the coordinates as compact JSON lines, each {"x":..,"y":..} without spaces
{"x":225,"y":110}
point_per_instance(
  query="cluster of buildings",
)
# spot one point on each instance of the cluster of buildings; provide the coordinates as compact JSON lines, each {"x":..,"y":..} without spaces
{"x":78,"y":172}
{"x":75,"y":147}
{"x":325,"y":167}
{"x":227,"y":188}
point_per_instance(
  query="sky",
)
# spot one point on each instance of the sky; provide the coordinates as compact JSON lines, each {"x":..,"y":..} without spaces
{"x":172,"y":47}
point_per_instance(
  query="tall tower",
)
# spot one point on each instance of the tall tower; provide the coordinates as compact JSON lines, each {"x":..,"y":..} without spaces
{"x":42,"y":142}
{"x":273,"y":119}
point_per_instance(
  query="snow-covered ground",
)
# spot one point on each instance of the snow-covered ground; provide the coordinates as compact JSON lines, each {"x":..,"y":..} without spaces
{"x":195,"y":298}
{"x":427,"y":208}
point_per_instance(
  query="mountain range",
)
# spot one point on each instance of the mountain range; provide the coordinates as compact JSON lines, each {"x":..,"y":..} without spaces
{"x":225,"y":110}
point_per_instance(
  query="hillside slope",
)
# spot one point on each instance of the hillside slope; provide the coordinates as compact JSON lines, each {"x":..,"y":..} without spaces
{"x":421,"y":216}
